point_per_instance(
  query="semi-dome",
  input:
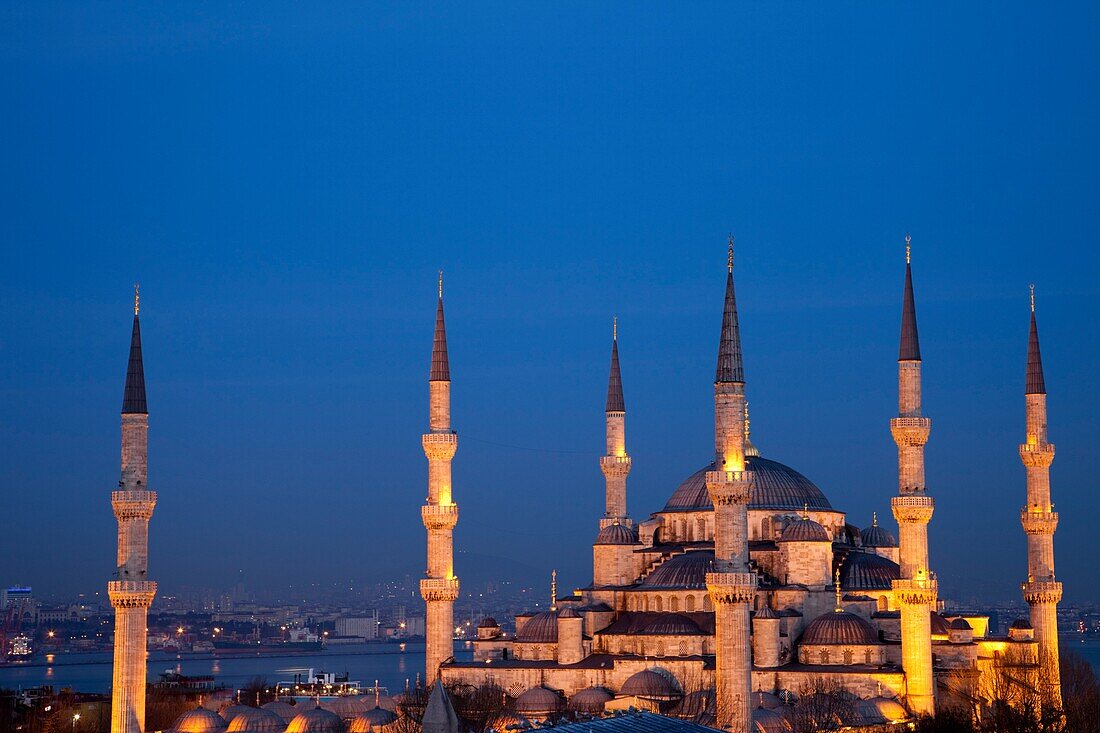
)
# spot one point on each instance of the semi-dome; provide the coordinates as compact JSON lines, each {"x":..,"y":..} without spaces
{"x":769,"y":721}
{"x":775,"y":486}
{"x":538,"y":701}
{"x":876,"y":536}
{"x":372,"y":721}
{"x":590,"y":700}
{"x":316,"y":720}
{"x":256,"y":720}
{"x":616,"y":534}
{"x":839,"y":627}
{"x":667,"y":624}
{"x":199,"y":720}
{"x":542,"y":628}
{"x":283,"y":709}
{"x":804,"y":530}
{"x":868,"y":571}
{"x":688,"y":570}
{"x":649,"y":683}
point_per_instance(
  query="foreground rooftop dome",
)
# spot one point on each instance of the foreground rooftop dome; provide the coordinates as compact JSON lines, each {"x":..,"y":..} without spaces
{"x":199,"y":720}
{"x":256,"y":720}
{"x":316,"y":720}
{"x":775,"y":486}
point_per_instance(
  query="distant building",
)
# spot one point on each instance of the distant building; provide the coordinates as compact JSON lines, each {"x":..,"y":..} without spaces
{"x":365,"y":626}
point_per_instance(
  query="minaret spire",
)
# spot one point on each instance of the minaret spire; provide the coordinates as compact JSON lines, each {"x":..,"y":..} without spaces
{"x":133,"y":394}
{"x":1035,"y":383}
{"x":441,"y":367}
{"x":910,"y":344}
{"x":615,"y":402}
{"x":730,"y":368}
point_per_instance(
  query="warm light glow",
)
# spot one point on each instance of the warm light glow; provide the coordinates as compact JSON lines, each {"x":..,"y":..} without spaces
{"x":734,"y":462}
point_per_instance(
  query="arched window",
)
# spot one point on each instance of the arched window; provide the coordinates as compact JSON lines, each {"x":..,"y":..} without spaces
{"x":701,"y":529}
{"x":689,"y":604}
{"x":660,"y":650}
{"x":867,"y":657}
{"x":824,"y":656}
{"x":658,"y":604}
{"x":674,"y":604}
{"x":708,"y":605}
{"x":536,"y":652}
{"x":849,"y":656}
{"x":683,"y":649}
{"x":883,"y":604}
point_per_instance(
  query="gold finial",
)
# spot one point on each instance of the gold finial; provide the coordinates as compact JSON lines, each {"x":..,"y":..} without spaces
{"x":137,"y":299}
{"x":874,"y":519}
{"x":554,"y":589}
{"x":839,"y":608}
{"x":746,"y":421}
{"x":376,"y":693}
{"x":1032,"y":288}
{"x":441,"y":284}
{"x":614,"y":328}
{"x":908,"y":247}
{"x":806,"y":510}
{"x":729,"y":260}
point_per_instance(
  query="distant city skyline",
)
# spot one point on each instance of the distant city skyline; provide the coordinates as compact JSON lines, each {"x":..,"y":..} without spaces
{"x":287,"y":217}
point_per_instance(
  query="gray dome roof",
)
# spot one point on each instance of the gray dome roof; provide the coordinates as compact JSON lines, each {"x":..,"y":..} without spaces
{"x":199,"y":720}
{"x":876,"y":536}
{"x":346,"y":706}
{"x":769,"y":721}
{"x":255,"y":720}
{"x":839,"y":627}
{"x":868,"y":571}
{"x":538,"y":700}
{"x":960,"y":624}
{"x":568,"y":612}
{"x":590,"y":700}
{"x":371,"y":721}
{"x":671,"y":623}
{"x":284,"y":710}
{"x":488,"y":623}
{"x":316,"y":720}
{"x":541,"y":628}
{"x":232,"y":711}
{"x":688,"y":570}
{"x":804,"y":530}
{"x":775,"y":486}
{"x":616,"y":534}
{"x":649,"y":683}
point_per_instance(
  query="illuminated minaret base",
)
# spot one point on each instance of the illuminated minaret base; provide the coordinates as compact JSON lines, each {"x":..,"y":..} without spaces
{"x":132,"y":593}
{"x":1041,"y":591}
{"x":731,"y":586}
{"x":440,"y":514}
{"x":915,"y":592}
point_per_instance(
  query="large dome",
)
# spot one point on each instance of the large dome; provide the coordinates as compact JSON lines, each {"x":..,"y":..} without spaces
{"x":542,"y":628}
{"x":775,"y":486}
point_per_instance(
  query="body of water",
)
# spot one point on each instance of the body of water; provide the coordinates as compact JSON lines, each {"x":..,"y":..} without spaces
{"x":386,"y":662}
{"x":91,"y":671}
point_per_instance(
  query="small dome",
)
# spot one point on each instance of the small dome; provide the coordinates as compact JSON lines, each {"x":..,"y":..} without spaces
{"x":766,"y":612}
{"x":839,"y":627}
{"x":256,"y":720}
{"x":1021,"y":623}
{"x":868,"y":571}
{"x":671,"y":623}
{"x":876,"y":536}
{"x":542,"y":628}
{"x":232,"y":711}
{"x":649,"y":683}
{"x":488,"y":623}
{"x":372,"y":721}
{"x":686,"y":571}
{"x":769,"y":721}
{"x":590,"y":700}
{"x":284,"y":710}
{"x":199,"y":720}
{"x":616,"y":534}
{"x":804,"y":530}
{"x":316,"y":720}
{"x":960,"y":624}
{"x":761,"y":699}
{"x":346,"y":706}
{"x":538,"y":701}
{"x":568,"y":612}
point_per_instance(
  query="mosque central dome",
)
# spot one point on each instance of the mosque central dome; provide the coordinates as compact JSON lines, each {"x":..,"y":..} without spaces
{"x":775,"y":486}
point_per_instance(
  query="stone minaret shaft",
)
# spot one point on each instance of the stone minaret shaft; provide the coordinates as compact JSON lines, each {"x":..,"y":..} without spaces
{"x":440,"y":514}
{"x":132,"y":593}
{"x":616,"y":464}
{"x":915,"y":592}
{"x":732,"y":586}
{"x":1041,"y":591}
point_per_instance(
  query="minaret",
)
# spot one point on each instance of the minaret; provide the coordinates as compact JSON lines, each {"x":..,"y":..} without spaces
{"x":616,"y":464}
{"x":731,"y":585}
{"x":915,"y":592}
{"x":440,"y":513}
{"x":132,"y":593}
{"x":1041,"y":591}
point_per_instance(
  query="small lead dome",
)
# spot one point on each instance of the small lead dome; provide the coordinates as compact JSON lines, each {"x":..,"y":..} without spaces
{"x":255,"y":720}
{"x":316,"y":720}
{"x":804,"y":530}
{"x":839,"y":627}
{"x":616,"y":534}
{"x":372,"y":721}
{"x":199,"y":720}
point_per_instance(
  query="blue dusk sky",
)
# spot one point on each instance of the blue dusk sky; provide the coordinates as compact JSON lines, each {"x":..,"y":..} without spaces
{"x":285,"y":180}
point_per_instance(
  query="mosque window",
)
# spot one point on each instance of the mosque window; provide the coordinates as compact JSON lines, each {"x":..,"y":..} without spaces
{"x":674,"y":604}
{"x":707,"y":604}
{"x":689,"y":604}
{"x":658,"y":603}
{"x":883,"y":604}
{"x":683,"y":649}
{"x":536,"y":652}
{"x":660,"y":650}
{"x":824,"y":656}
{"x":867,"y":657}
{"x":849,"y":656}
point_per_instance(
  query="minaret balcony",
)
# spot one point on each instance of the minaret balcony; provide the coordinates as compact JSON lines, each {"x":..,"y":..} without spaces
{"x":1038,"y":522}
{"x":439,"y":589}
{"x":916,"y":591}
{"x":727,"y":488}
{"x":910,"y":431}
{"x":439,"y":516}
{"x":129,"y":505}
{"x":1042,"y":592}
{"x":1037,"y":455}
{"x":913,"y":509}
{"x":615,"y":465}
{"x":730,"y":588}
{"x":131,"y":593}
{"x":439,"y":446}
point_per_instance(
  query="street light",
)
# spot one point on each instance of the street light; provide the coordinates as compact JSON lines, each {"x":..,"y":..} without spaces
{"x":76,"y":717}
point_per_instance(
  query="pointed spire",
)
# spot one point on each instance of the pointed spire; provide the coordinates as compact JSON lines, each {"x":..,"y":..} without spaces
{"x":615,"y":401}
{"x":910,"y":344}
{"x":730,"y":368}
{"x":133,"y":395}
{"x":441,"y":368}
{"x":1034,"y":383}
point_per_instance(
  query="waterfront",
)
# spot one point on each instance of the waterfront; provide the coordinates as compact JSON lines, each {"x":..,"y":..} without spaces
{"x":91,"y":671}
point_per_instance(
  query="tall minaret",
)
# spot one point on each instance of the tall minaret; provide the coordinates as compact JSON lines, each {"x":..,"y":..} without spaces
{"x":915,"y":592}
{"x":440,"y":514}
{"x":1041,"y":591}
{"x":616,"y":464}
{"x":732,"y":586}
{"x":132,"y":593}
